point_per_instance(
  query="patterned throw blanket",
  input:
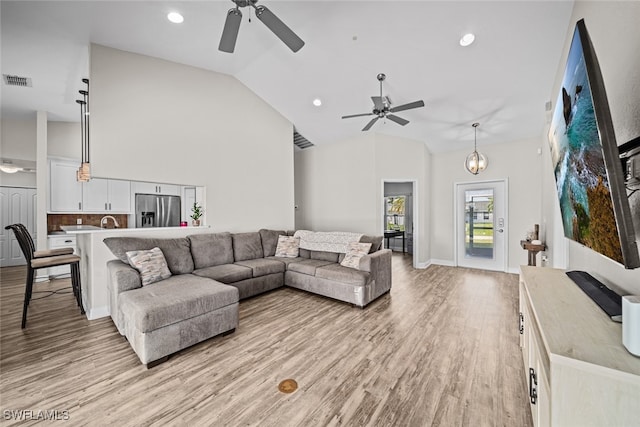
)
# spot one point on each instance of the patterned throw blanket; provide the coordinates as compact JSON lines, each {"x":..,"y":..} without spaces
{"x":329,"y":241}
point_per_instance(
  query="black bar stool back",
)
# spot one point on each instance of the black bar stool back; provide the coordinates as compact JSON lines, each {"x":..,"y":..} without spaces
{"x":44,"y":259}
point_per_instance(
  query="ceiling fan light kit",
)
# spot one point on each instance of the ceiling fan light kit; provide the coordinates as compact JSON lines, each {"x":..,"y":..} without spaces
{"x":268,"y":18}
{"x":382,"y":108}
{"x":475,"y":162}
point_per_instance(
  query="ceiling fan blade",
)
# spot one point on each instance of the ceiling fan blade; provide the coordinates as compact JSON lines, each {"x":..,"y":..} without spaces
{"x":230,"y":31}
{"x":398,"y":120}
{"x":368,"y":126}
{"x":357,"y":115}
{"x":409,"y":106}
{"x":279,"y":28}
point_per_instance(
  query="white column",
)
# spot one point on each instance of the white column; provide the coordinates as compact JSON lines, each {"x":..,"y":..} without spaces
{"x":42,"y":179}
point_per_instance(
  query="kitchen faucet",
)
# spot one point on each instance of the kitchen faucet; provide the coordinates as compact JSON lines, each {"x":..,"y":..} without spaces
{"x":103,"y":221}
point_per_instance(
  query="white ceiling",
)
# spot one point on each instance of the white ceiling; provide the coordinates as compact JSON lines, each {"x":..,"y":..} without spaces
{"x":502,"y":80}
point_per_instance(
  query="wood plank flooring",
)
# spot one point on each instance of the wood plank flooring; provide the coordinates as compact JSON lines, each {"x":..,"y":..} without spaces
{"x":440,"y":349}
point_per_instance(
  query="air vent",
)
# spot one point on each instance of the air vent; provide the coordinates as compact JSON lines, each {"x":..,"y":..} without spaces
{"x":300,"y":141}
{"x":11,"y":80}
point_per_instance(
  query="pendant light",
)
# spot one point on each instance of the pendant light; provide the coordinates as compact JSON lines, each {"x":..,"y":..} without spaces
{"x":84,"y":172}
{"x":475,"y":162}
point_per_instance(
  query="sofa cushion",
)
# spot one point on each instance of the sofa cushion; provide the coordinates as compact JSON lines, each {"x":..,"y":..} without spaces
{"x":151,"y":265}
{"x":176,"y":251}
{"x":285,"y":261}
{"x":226,"y":273}
{"x":338,"y":273}
{"x":355,"y":252}
{"x":376,"y":242}
{"x":174,"y":300}
{"x":304,"y":253}
{"x":270,"y":240}
{"x":325,"y":256}
{"x":262,"y":267}
{"x":211,"y":249}
{"x":247,"y":246}
{"x":288,"y":247}
{"x":307,"y":266}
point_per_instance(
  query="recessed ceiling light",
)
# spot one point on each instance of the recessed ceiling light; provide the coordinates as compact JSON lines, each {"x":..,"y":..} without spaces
{"x":175,"y":17}
{"x":317,"y":102}
{"x":467,"y":39}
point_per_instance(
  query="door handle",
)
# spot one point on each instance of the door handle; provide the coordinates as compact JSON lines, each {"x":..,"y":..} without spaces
{"x":500,"y":230}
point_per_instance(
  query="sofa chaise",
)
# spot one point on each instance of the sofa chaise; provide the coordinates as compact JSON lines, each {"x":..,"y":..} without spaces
{"x":209,"y":273}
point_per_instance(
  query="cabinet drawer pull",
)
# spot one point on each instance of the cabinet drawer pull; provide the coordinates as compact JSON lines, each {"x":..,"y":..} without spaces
{"x":533,"y":386}
{"x":68,"y":241}
{"x":521,"y":324}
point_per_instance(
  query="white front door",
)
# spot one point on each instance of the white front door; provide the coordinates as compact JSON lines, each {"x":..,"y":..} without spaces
{"x":481,"y":225}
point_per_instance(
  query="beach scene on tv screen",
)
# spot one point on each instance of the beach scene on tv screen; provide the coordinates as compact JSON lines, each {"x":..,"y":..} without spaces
{"x":576,"y":155}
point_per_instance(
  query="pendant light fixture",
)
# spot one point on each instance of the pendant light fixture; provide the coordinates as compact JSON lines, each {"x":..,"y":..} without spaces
{"x":84,"y":172}
{"x":475,"y":162}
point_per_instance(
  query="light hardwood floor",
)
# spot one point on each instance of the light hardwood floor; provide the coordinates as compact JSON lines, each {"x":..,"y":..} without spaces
{"x":440,"y":349}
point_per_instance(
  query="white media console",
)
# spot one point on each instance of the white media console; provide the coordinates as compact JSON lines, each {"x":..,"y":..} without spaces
{"x":578,"y":372}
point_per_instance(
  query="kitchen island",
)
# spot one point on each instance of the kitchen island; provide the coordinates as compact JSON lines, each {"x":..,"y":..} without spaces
{"x":94,"y":255}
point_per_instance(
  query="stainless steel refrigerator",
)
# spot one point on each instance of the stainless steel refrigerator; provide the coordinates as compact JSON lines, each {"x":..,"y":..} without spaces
{"x":157,"y":211}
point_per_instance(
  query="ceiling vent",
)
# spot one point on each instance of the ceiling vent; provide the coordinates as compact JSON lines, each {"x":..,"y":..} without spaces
{"x":300,"y":141}
{"x":11,"y":80}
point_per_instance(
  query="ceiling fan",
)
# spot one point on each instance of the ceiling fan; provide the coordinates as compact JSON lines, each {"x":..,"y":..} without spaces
{"x":382,"y":108}
{"x":279,"y":28}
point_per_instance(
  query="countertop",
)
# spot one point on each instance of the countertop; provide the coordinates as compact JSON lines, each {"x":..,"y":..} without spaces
{"x":84,"y":229}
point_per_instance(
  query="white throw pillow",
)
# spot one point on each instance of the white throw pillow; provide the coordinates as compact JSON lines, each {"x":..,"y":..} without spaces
{"x":355,"y":251}
{"x":288,"y":247}
{"x":151,"y":264}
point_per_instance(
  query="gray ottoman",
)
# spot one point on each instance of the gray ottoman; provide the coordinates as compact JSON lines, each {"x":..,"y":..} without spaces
{"x":165,"y":317}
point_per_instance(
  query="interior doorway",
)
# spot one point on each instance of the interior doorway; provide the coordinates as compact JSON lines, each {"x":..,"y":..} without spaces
{"x":481,"y":225}
{"x":399,"y":217}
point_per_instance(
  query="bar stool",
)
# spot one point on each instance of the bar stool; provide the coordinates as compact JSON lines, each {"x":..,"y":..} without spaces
{"x":43,"y":259}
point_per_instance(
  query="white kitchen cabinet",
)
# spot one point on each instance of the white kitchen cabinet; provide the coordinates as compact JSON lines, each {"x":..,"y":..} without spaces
{"x":155,"y":188}
{"x":106,"y":195}
{"x":65,"y":192}
{"x":61,"y":241}
{"x":578,"y":372}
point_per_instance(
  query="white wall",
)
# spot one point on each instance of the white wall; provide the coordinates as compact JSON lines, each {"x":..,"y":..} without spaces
{"x":18,"y":141}
{"x":519,"y":162}
{"x":159,"y":121}
{"x":615,"y":34}
{"x":63,"y":139}
{"x":339,"y":187}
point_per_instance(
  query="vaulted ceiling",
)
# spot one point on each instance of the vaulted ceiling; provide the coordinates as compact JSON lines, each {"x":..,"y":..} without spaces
{"x":502,"y":80}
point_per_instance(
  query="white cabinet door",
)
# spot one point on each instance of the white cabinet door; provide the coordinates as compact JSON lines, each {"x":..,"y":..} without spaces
{"x":95,"y":195}
{"x":155,"y":188}
{"x":65,"y":190}
{"x":119,"y":196}
{"x":17,"y":206}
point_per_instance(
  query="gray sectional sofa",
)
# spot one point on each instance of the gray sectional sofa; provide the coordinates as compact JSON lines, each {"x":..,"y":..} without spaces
{"x":210,"y":273}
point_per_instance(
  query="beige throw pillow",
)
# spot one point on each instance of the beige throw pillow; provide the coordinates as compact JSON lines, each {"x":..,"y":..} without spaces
{"x":355,"y":251}
{"x":151,"y":264}
{"x":288,"y":247}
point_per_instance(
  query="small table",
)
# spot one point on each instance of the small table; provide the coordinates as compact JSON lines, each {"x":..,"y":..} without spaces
{"x":532,"y":250}
{"x":394,"y":233}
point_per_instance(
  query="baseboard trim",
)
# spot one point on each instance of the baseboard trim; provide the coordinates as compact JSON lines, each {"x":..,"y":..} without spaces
{"x":98,"y":313}
{"x":445,"y":262}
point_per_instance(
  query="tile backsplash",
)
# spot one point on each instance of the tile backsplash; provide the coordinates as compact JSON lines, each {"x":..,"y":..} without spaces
{"x":54,"y":221}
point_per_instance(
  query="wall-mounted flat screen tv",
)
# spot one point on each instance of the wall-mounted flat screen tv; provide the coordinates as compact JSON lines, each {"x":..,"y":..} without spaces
{"x":584,"y":154}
